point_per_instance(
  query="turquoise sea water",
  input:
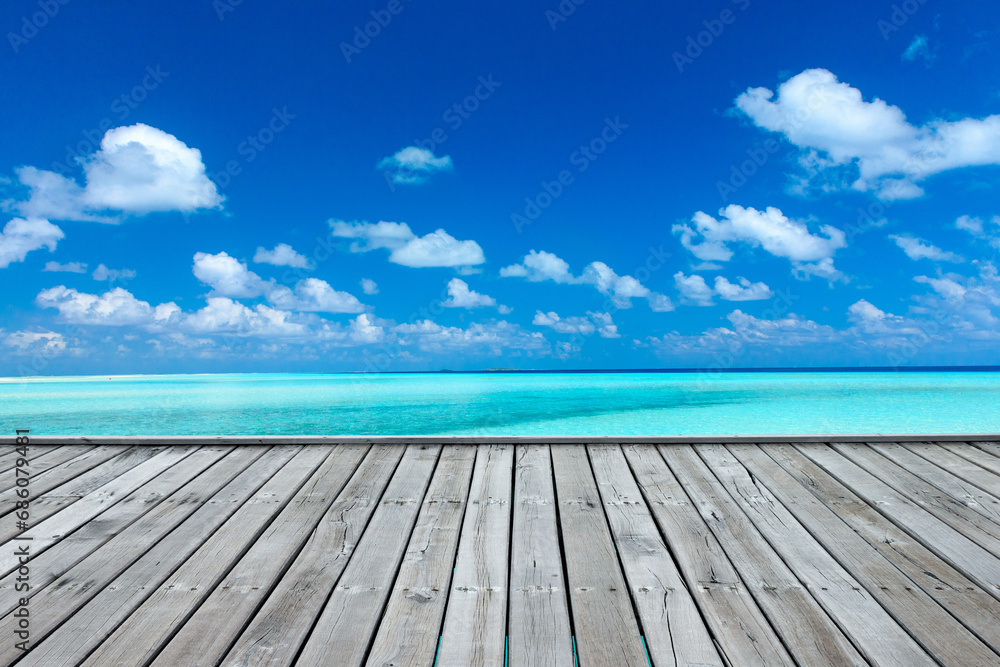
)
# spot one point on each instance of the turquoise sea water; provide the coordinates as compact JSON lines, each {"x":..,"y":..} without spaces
{"x":491,"y":403}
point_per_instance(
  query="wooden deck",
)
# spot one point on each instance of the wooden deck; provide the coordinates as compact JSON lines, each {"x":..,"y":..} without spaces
{"x":500,"y":554}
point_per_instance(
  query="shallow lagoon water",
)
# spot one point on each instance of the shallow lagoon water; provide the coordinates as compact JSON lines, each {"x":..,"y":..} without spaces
{"x":505,"y":404}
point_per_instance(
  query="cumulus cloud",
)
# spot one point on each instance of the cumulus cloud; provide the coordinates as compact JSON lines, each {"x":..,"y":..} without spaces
{"x":413,"y":165}
{"x":369,"y":286}
{"x":113,"y":275}
{"x":744,"y":291}
{"x":708,"y":238}
{"x":36,"y":342}
{"x":406,"y":248}
{"x":117,"y":307}
{"x":69,"y":267}
{"x":137,"y":170}
{"x":916,"y":248}
{"x":694,"y":289}
{"x":539,"y":266}
{"x":849,"y":142}
{"x":460,"y":296}
{"x":22,"y":235}
{"x":223,"y":315}
{"x":229,"y":277}
{"x":282,"y":255}
{"x":482,"y":337}
{"x":595,"y":321}
{"x":313,"y":295}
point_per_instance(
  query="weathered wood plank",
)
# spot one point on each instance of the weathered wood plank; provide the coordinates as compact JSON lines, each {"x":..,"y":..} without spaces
{"x":36,"y":454}
{"x":606,"y":629}
{"x":410,"y":627}
{"x":918,"y":460}
{"x":204,"y":605}
{"x":475,"y":622}
{"x":992,"y":448}
{"x":948,"y":543}
{"x":937,"y":631}
{"x":280,"y":627}
{"x":94,"y":597}
{"x":970,"y":523}
{"x":51,"y":530}
{"x":739,"y":627}
{"x":806,"y":628}
{"x":67,"y":552}
{"x":974,"y":454}
{"x":953,"y":590}
{"x":38,"y":462}
{"x":675,"y":633}
{"x":539,"y":623}
{"x":345,"y":628}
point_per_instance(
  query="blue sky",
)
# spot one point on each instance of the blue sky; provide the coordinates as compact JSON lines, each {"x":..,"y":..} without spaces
{"x":394,"y":185}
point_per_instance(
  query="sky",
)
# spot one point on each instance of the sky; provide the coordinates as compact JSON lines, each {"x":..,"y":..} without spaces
{"x":236,"y":186}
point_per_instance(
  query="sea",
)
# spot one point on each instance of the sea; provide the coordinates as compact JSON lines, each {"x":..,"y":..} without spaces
{"x":507,"y":403}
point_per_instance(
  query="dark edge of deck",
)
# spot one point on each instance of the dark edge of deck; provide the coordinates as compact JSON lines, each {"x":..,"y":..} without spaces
{"x":160,"y":440}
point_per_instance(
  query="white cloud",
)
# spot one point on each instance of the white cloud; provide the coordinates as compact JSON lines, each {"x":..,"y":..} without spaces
{"x":947,"y":287}
{"x":414,"y":165}
{"x":744,"y":291}
{"x":460,"y":296}
{"x":138,"y":170}
{"x":364,"y":330}
{"x":849,"y":142}
{"x":487,"y":337}
{"x":313,"y":295}
{"x":22,"y":235}
{"x":432,"y":250}
{"x":229,"y":277}
{"x":595,"y":321}
{"x":694,"y":289}
{"x":282,"y":255}
{"x":104,"y":273}
{"x":916,"y":248}
{"x":918,"y":48}
{"x":540,"y":265}
{"x":222,"y":315}
{"x":369,"y":286}
{"x":708,"y":238}
{"x":69,"y":267}
{"x":978,"y":228}
{"x":117,"y":307}
{"x":36,"y":342}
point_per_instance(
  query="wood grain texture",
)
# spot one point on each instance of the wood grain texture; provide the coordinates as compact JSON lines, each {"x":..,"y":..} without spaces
{"x":279,"y":629}
{"x":606,"y":629}
{"x":954,"y":547}
{"x":344,"y":630}
{"x":937,"y":631}
{"x":475,"y":624}
{"x":94,"y":597}
{"x":204,"y":605}
{"x":967,"y":601}
{"x":805,"y":627}
{"x":674,"y":631}
{"x":740,"y":629}
{"x":409,"y":630}
{"x":539,"y":622}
